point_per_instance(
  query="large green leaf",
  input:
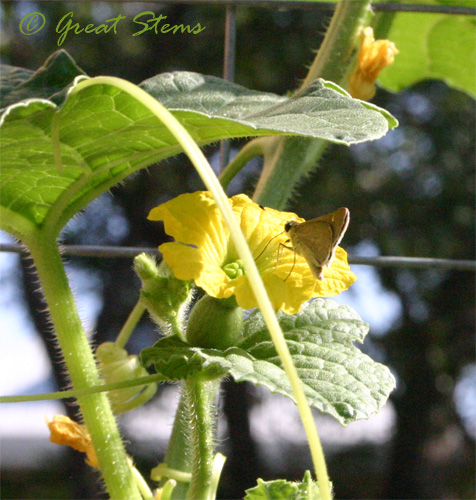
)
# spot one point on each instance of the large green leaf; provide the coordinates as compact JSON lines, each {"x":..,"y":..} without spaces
{"x":105,"y":134}
{"x":436,"y":46}
{"x":338,"y":378}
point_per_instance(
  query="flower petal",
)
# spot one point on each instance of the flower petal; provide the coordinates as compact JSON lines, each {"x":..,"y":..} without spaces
{"x":194,"y":219}
{"x":337,"y":278}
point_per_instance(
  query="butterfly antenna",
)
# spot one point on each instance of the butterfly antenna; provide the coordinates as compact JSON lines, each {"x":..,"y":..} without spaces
{"x":267,"y":244}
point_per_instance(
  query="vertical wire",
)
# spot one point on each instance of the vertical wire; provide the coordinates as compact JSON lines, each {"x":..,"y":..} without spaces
{"x":229,"y":59}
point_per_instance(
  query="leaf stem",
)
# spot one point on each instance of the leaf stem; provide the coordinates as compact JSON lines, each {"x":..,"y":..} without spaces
{"x":76,"y":393}
{"x":130,"y":324}
{"x":142,"y":485}
{"x":95,"y":408}
{"x":249,"y":151}
{"x":275,"y":185}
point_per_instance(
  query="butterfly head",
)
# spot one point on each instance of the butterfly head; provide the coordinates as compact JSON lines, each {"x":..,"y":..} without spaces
{"x":290,"y":224}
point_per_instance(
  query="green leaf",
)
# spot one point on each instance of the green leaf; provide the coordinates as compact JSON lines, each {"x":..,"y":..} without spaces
{"x":48,"y":82}
{"x":436,"y":46}
{"x":392,"y":121}
{"x":104,"y":134}
{"x":280,"y":489}
{"x":338,"y":378}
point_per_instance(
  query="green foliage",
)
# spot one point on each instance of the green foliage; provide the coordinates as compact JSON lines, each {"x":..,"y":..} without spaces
{"x":338,"y":378}
{"x":105,"y":134}
{"x":280,"y":489}
{"x":432,"y":46}
{"x":48,"y":82}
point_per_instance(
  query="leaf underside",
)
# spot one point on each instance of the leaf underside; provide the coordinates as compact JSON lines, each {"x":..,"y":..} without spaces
{"x":435,"y":46}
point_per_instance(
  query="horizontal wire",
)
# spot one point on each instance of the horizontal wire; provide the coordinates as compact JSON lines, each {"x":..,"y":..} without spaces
{"x":303,"y":5}
{"x":414,"y":263}
{"x":100,"y":251}
{"x":87,"y":250}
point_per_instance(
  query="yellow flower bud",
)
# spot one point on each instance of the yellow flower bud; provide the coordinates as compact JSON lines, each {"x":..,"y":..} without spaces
{"x":65,"y":431}
{"x":373,"y":56}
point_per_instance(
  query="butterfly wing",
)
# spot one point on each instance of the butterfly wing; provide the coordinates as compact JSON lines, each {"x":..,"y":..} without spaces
{"x":317,"y":239}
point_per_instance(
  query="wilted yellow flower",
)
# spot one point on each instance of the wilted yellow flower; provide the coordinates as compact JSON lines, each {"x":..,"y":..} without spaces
{"x":203,"y":251}
{"x":65,"y":431}
{"x":373,"y":56}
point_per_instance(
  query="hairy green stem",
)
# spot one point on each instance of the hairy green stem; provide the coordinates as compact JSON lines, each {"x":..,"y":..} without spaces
{"x":78,"y":356}
{"x":297,"y":156}
{"x":178,"y":454}
{"x":333,"y":57}
{"x":381,"y":23}
{"x":201,"y":395}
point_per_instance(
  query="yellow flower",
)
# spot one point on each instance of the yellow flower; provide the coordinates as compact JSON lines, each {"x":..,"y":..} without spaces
{"x":204,"y":252}
{"x":65,"y":431}
{"x":372,"y":57}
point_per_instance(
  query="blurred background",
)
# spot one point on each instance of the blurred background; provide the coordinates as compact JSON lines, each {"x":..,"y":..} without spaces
{"x":410,"y":194}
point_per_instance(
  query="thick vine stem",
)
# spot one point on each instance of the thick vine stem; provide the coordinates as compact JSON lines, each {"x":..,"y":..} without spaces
{"x":334,"y":55}
{"x":332,"y":61}
{"x":78,"y":356}
{"x":300,"y":152}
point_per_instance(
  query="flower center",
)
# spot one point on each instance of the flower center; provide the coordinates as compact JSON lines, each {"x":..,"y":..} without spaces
{"x":234,"y":269}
